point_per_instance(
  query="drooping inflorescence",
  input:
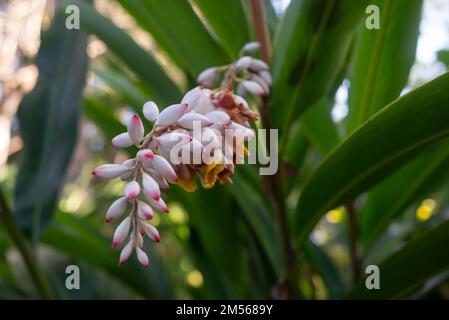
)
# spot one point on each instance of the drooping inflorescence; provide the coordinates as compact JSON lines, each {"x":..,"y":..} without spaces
{"x":200,"y":136}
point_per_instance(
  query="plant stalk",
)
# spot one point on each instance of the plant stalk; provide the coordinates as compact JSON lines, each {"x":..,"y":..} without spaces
{"x":356,"y":258}
{"x":272,"y":184}
{"x":24,"y":248}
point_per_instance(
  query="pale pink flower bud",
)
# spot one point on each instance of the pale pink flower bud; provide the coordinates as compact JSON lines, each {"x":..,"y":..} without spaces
{"x":162,"y":166}
{"x":132,"y":190}
{"x":150,"y":111}
{"x":144,"y":154}
{"x":128,"y":163}
{"x":158,"y":205}
{"x":253,"y":87}
{"x":126,"y":175}
{"x":144,"y":211}
{"x":251,"y":47}
{"x":219,"y":118}
{"x":211,"y":138}
{"x":163,"y":184}
{"x":240,"y":100}
{"x":208,"y":77}
{"x":239,"y":129}
{"x":266,"y":76}
{"x":192,"y":97}
{"x":150,"y":186}
{"x":241,"y":91}
{"x":151,"y":231}
{"x":126,"y":252}
{"x":121,"y":232}
{"x":189,"y":119}
{"x":261,"y":82}
{"x":171,"y":139}
{"x":243,"y":63}
{"x":122,"y":141}
{"x":116,"y":209}
{"x":137,"y":241}
{"x":135,"y":129}
{"x":171,"y":114}
{"x":109,"y":171}
{"x":258,"y":65}
{"x":195,"y":147}
{"x":142,"y":257}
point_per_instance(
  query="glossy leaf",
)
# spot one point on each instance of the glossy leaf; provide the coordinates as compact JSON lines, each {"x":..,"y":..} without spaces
{"x":383,"y":58}
{"x":384,"y":143}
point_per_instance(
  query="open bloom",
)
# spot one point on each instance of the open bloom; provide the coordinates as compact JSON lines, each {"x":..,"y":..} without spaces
{"x":215,"y":114}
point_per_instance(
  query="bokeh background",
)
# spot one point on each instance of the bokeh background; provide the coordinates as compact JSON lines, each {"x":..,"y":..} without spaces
{"x":220,"y":243}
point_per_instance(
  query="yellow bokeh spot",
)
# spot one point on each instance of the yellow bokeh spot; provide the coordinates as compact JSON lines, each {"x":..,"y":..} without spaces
{"x":425,"y":210}
{"x":195,"y":279}
{"x":335,"y":215}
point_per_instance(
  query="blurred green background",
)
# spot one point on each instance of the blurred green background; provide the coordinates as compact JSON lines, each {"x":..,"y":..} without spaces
{"x":353,"y":191}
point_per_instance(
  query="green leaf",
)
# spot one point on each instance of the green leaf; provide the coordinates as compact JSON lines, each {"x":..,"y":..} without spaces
{"x":179,"y":32}
{"x":227,"y":19}
{"x":410,"y":184}
{"x":383,"y":58}
{"x":48,"y":118}
{"x":390,"y":138}
{"x":406,"y":270}
{"x":75,"y":237}
{"x":310,"y":48}
{"x":137,"y":59}
{"x":443,"y":56}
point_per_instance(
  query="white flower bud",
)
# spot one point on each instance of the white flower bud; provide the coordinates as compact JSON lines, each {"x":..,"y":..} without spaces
{"x":116,"y":209}
{"x":126,"y":252}
{"x":243,"y":63}
{"x":132,"y":190}
{"x":151,"y":231}
{"x":171,"y":114}
{"x":144,"y":155}
{"x":241,"y":131}
{"x":150,"y":186}
{"x":266,"y":76}
{"x":220,"y":118}
{"x":162,"y":166}
{"x":171,"y":139}
{"x":150,"y":111}
{"x":135,"y":129}
{"x":208,"y":77}
{"x":144,"y":211}
{"x":190,"y":119}
{"x":192,"y":97}
{"x":258,"y":65}
{"x":253,"y":87}
{"x":121,"y":232}
{"x":261,"y":82}
{"x":158,"y":205}
{"x":241,"y":91}
{"x":251,"y":47}
{"x":109,"y":171}
{"x":122,"y":141}
{"x":142,"y":257}
{"x":240,"y":100}
{"x":195,"y":147}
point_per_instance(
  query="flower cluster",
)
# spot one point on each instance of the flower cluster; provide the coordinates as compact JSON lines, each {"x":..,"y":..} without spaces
{"x":174,"y":152}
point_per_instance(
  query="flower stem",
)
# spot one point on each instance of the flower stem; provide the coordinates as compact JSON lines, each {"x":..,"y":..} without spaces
{"x":356,"y":259}
{"x":24,"y":248}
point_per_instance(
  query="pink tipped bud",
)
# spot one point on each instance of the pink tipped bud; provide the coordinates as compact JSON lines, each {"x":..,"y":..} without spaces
{"x":132,"y":190}
{"x":171,"y":114}
{"x":258,"y":65}
{"x":121,"y":232}
{"x":158,"y":205}
{"x":208,"y":77}
{"x":145,"y":212}
{"x":116,"y":209}
{"x":126,"y":252}
{"x":135,"y":129}
{"x":189,"y":120}
{"x":163,"y":167}
{"x":150,"y":111}
{"x":145,"y":154}
{"x":109,"y":171}
{"x":151,"y":231}
{"x":142,"y":257}
{"x":122,"y":140}
{"x":150,"y":186}
{"x":253,"y":87}
{"x":243,"y":63}
{"x":192,"y":98}
{"x":219,"y":118}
